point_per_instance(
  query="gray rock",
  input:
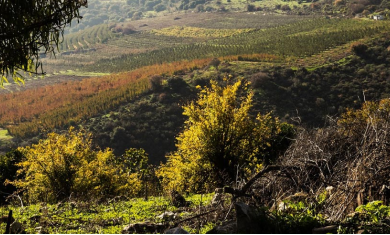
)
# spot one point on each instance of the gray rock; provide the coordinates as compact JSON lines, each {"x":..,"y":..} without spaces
{"x":176,"y":230}
{"x":250,"y":219}
{"x":16,"y":228}
{"x":145,"y":227}
{"x":229,"y":227}
{"x":168,"y":216}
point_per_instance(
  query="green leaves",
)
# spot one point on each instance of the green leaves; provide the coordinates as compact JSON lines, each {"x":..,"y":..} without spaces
{"x":375,"y":210}
{"x":372,"y":217}
{"x":28,"y":28}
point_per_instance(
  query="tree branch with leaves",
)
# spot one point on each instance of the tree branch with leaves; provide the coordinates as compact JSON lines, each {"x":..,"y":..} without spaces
{"x":31,"y":27}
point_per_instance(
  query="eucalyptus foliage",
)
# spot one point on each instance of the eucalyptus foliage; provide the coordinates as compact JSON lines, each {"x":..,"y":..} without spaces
{"x":31,"y":27}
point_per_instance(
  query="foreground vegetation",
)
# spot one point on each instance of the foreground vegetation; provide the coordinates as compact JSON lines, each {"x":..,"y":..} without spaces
{"x":107,"y":217}
{"x":341,"y":144}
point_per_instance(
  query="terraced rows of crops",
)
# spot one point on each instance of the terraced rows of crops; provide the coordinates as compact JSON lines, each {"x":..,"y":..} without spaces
{"x":195,"y":32}
{"x":146,"y":40}
{"x":31,"y":112}
{"x":298,"y":39}
{"x":247,"y":20}
{"x":87,"y":37}
{"x":102,"y":33}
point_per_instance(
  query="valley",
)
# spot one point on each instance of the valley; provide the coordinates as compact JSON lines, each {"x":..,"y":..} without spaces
{"x":151,"y":98}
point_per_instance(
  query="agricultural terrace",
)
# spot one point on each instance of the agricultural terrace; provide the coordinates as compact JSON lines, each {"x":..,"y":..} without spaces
{"x":301,"y":39}
{"x":33,"y":111}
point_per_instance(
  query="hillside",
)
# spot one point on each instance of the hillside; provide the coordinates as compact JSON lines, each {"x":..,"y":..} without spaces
{"x":279,"y":108}
{"x":288,"y":54}
{"x":100,"y":11}
{"x":309,"y":92}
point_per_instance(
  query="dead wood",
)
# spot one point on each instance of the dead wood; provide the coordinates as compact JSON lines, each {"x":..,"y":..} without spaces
{"x":9,"y":222}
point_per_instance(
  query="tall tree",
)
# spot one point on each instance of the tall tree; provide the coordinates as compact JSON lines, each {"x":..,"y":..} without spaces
{"x":31,"y":27}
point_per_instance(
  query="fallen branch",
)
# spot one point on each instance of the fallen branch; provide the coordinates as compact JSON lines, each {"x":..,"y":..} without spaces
{"x":242,"y":192}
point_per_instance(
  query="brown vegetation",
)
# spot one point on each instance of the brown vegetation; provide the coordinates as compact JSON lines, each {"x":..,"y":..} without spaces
{"x":347,"y":161}
{"x":56,"y":105}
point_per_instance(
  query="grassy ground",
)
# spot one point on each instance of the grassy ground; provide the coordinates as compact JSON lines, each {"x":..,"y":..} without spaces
{"x":108,"y":217}
{"x":4,"y":135}
{"x":5,"y":138}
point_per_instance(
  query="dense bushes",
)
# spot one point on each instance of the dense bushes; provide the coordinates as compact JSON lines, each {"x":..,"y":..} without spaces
{"x":220,"y":141}
{"x":64,"y":166}
{"x":348,"y":161}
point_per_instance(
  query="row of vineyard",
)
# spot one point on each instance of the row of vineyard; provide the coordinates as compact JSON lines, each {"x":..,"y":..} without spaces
{"x":244,"y":20}
{"x":195,"y":32}
{"x":138,"y":40}
{"x":59,"y":105}
{"x":299,"y":39}
{"x":85,"y":38}
{"x":146,"y":40}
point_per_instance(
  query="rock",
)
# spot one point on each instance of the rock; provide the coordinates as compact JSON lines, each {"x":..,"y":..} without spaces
{"x":168,"y":216}
{"x":250,"y":219}
{"x":17,"y":228}
{"x":229,"y":227}
{"x":324,"y":230}
{"x":145,"y":227}
{"x":176,"y":230}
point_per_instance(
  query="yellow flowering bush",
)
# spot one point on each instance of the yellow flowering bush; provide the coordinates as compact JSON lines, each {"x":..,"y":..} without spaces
{"x":221,"y":141}
{"x":65,"y":165}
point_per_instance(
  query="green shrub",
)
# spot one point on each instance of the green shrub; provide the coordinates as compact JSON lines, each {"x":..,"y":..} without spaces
{"x":297,"y":217}
{"x":371,"y":218}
